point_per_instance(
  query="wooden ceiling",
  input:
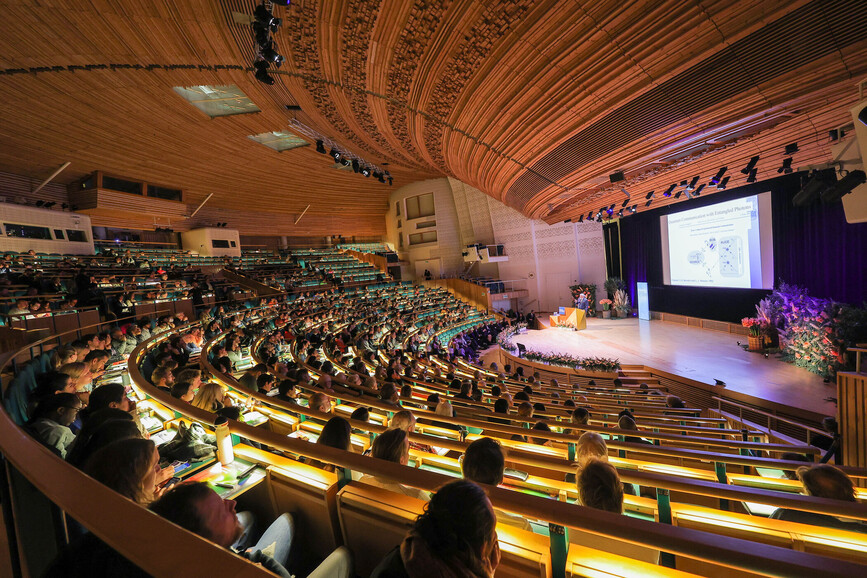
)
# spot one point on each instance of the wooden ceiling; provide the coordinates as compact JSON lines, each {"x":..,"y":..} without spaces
{"x":535,"y":102}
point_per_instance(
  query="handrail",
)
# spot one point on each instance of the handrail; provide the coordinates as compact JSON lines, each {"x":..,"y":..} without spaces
{"x":737,"y":553}
{"x":810,"y":428}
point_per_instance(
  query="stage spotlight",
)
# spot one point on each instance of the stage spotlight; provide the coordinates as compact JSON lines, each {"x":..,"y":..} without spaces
{"x":844,"y":186}
{"x":567,"y":220}
{"x":590,"y":216}
{"x":355,"y":166}
{"x":750,"y":166}
{"x":320,"y":147}
{"x":722,"y":184}
{"x":718,"y":177}
{"x":262,"y":74}
{"x":264,"y":17}
{"x":625,"y":202}
{"x":633,"y":208}
{"x":335,"y":154}
{"x":381,"y":178}
{"x":647,"y":204}
{"x":698,"y":191}
{"x":376,"y":175}
{"x":281,"y":2}
{"x":365,"y":171}
{"x":668,"y":191}
{"x":40,"y":203}
{"x":620,"y":213}
{"x":269,"y":53}
{"x":581,"y":219}
{"x":791,"y":149}
{"x":677,"y":194}
{"x":389,"y":181}
{"x":752,"y":177}
{"x":611,"y":207}
{"x":787,"y":166}
{"x":692,"y":184}
{"x":649,"y":195}
{"x":49,"y":205}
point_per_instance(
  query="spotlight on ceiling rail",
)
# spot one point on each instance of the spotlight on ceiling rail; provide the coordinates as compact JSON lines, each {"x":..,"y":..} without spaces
{"x":715,"y":180}
{"x":649,"y":195}
{"x":753,"y":173}
{"x":844,"y":186}
{"x":721,"y":186}
{"x":668,"y":191}
{"x":750,"y":165}
{"x":787,"y":166}
{"x":320,"y":147}
{"x":692,"y":183}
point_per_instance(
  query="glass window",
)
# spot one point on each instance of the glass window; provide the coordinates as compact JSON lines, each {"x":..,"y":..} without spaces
{"x":397,"y":208}
{"x":400,"y":241}
{"x":399,"y":224}
{"x":164,"y":193}
{"x":233,"y":243}
{"x":58,"y":234}
{"x":426,"y":225}
{"x":27,"y":231}
{"x":420,"y":206}
{"x":218,"y":100}
{"x":280,"y":140}
{"x":219,"y":243}
{"x":419,"y":238}
{"x":121,"y":185}
{"x":76,"y":236}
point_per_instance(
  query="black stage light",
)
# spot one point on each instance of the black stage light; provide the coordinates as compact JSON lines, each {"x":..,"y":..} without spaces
{"x":345,"y":162}
{"x":51,"y":204}
{"x":633,"y":208}
{"x":647,"y":204}
{"x":40,"y":203}
{"x":376,"y":175}
{"x":590,"y":216}
{"x":844,"y":186}
{"x":791,"y":149}
{"x":266,"y":18}
{"x":649,"y":195}
{"x":365,"y":171}
{"x":722,"y":184}
{"x":620,"y":213}
{"x":263,"y":34}
{"x":335,"y":154}
{"x":677,"y":194}
{"x":355,"y":166}
{"x":625,"y":202}
{"x":262,"y":74}
{"x":611,"y":207}
{"x":668,"y":191}
{"x":389,"y":181}
{"x":692,"y":184}
{"x":381,"y":178}
{"x":698,"y":191}
{"x":718,"y":177}
{"x":581,"y":219}
{"x":750,"y":165}
{"x":752,"y":177}
{"x":787,"y":166}
{"x":320,"y":147}
{"x":812,"y":189}
{"x":269,"y":53}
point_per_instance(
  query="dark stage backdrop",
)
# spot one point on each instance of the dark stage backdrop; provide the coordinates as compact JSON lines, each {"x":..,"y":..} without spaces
{"x":813,"y":247}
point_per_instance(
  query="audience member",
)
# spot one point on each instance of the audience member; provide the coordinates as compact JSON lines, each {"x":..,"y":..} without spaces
{"x":823,"y":481}
{"x":51,"y":419}
{"x":392,"y":446}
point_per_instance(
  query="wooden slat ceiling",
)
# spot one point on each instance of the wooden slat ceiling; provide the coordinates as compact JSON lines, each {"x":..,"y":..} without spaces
{"x":534,"y":102}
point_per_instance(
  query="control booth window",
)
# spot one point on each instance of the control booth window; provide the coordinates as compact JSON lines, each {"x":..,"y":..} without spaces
{"x":58,"y":234}
{"x":27,"y":231}
{"x":219,"y":243}
{"x":76,"y":235}
{"x":121,"y":185}
{"x":420,"y":206}
{"x":419,"y":238}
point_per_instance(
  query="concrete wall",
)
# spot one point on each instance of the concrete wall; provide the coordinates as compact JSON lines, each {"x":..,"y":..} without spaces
{"x":201,"y":241}
{"x":57,"y":222}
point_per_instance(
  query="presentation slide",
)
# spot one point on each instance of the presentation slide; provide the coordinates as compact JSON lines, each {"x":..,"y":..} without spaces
{"x":726,"y":244}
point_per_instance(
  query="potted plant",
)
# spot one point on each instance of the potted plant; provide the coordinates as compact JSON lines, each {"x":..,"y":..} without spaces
{"x":621,"y":303}
{"x":756,"y":336}
{"x":606,"y":308}
{"x":613,"y":285}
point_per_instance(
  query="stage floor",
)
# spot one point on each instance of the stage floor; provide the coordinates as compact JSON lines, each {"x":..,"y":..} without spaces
{"x":697,"y":354}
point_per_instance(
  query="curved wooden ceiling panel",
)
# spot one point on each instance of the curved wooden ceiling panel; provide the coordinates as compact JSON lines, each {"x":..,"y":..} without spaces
{"x":533,"y":101}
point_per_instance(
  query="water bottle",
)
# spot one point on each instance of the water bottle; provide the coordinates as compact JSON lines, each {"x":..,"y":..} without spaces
{"x":225,"y":453}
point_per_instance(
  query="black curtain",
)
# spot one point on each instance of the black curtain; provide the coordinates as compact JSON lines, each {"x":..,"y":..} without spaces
{"x":814,"y":247}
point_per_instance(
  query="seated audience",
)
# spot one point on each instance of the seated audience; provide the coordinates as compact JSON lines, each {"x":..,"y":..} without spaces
{"x":51,"y":419}
{"x":455,"y":536}
{"x":131,"y":468}
{"x":483,"y":462}
{"x":197,"y":508}
{"x":211,"y":397}
{"x":393,"y":446}
{"x":599,"y":487}
{"x":320,"y":402}
{"x":823,"y":481}
{"x":184,"y":391}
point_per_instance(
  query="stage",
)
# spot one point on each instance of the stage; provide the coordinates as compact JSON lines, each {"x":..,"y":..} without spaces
{"x":698,"y":354}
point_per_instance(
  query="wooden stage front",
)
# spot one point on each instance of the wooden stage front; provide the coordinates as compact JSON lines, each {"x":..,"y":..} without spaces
{"x":698,"y":354}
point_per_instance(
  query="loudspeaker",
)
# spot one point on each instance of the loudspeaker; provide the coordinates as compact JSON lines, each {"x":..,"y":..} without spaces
{"x":814,"y":188}
{"x":616,"y":177}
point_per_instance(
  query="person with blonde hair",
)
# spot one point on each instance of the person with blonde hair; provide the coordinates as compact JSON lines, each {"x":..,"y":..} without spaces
{"x":211,"y":397}
{"x":590,"y":446}
{"x":393,"y":446}
{"x":131,"y":468}
{"x":62,"y":356}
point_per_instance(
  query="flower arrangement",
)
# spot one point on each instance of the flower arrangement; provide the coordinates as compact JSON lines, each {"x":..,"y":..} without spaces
{"x":755,"y":325}
{"x":589,"y":290}
{"x":565,"y":360}
{"x":504,"y":337}
{"x":606,"y":304}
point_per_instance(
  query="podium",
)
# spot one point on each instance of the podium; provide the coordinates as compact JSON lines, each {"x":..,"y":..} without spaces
{"x":571,"y":317}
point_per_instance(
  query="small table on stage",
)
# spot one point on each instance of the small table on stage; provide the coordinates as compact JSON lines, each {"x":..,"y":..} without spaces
{"x":572,"y":317}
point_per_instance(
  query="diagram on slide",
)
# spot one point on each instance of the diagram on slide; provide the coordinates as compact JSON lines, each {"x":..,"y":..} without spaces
{"x":728,"y":255}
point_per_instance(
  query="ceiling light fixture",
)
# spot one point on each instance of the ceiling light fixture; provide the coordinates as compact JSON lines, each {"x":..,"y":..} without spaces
{"x":787,"y":166}
{"x":320,"y":147}
{"x":752,"y":177}
{"x":649,"y":195}
{"x":750,"y":165}
{"x":721,"y":186}
{"x":668,"y":191}
{"x":718,"y":177}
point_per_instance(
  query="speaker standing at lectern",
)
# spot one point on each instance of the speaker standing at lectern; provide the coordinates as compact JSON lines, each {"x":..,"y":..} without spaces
{"x":582,"y":303}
